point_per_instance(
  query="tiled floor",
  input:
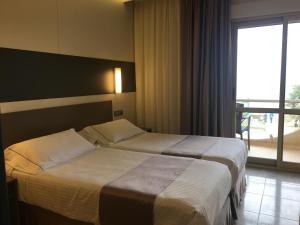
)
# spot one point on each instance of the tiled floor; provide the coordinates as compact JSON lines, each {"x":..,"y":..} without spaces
{"x":272,"y":198}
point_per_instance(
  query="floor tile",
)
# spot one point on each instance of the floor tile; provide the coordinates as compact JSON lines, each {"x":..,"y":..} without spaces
{"x":283,"y":190}
{"x":256,"y":172}
{"x":255,"y":187}
{"x":251,"y":202}
{"x":284,"y":208}
{"x":270,"y":220}
{"x":277,"y":204}
{"x":247,"y":218}
{"x":272,"y":176}
{"x":257,"y":179}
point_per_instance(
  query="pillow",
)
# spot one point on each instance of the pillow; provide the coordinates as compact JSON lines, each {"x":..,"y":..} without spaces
{"x":42,"y":153}
{"x":8,"y":170}
{"x":118,"y":130}
{"x":15,"y":161}
{"x":93,"y":136}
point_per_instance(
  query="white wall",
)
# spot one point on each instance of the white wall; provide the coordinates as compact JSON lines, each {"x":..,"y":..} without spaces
{"x":91,"y":28}
{"x":254,"y":8}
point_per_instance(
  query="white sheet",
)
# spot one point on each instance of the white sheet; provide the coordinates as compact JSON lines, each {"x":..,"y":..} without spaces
{"x":228,"y":151}
{"x":72,"y":189}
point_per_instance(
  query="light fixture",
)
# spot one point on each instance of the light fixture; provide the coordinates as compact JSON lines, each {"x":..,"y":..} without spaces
{"x":118,"y":80}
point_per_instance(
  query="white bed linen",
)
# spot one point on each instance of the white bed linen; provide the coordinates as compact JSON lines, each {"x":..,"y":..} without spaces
{"x":228,"y":151}
{"x":72,"y":189}
{"x":47,"y":151}
{"x":117,"y":130}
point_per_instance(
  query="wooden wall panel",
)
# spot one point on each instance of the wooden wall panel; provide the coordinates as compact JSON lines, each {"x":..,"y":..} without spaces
{"x":25,"y":125}
{"x":27,"y":75}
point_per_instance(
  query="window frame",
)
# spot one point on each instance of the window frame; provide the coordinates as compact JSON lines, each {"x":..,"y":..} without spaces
{"x":281,"y":19}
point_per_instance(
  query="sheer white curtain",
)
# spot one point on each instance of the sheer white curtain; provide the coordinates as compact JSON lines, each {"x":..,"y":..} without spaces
{"x":157,"y":59}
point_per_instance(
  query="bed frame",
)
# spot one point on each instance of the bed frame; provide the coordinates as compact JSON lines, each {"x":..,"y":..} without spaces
{"x":24,"y":125}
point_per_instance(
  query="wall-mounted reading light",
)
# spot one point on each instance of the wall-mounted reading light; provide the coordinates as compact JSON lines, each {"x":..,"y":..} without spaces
{"x":118,"y":80}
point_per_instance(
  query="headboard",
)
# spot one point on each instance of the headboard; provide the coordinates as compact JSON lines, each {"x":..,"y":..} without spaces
{"x":24,"y":125}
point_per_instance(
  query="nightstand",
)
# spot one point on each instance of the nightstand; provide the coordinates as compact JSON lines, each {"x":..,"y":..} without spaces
{"x":12,"y":188}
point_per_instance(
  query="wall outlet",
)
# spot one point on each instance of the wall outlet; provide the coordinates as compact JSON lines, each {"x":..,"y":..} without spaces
{"x":118,"y":112}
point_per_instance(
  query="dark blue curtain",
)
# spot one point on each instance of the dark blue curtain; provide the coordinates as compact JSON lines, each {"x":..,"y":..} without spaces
{"x":207,"y":84}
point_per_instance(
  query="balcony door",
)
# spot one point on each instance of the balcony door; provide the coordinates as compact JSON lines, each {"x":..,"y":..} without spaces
{"x":267,"y":66}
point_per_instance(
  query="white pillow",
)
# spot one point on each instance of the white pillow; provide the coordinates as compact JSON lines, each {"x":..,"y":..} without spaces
{"x":93,"y":136}
{"x":44,"y":152}
{"x":15,"y":161}
{"x":117,"y":130}
{"x":8,"y":170}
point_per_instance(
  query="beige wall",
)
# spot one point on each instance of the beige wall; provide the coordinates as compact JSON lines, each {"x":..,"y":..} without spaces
{"x":254,"y":8}
{"x":95,"y":28}
{"x":91,"y":28}
{"x":125,"y":101}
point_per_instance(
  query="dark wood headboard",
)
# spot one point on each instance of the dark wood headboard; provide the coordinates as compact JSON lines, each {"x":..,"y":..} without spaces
{"x":28,"y":75}
{"x":24,"y":125}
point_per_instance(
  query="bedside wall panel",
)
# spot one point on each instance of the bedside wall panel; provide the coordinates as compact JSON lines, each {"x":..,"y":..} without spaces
{"x":28,"y":75}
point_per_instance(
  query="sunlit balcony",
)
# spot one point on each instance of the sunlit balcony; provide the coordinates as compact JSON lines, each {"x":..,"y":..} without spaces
{"x":264,"y":131}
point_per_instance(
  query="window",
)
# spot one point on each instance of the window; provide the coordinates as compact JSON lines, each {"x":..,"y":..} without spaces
{"x":268,"y":89}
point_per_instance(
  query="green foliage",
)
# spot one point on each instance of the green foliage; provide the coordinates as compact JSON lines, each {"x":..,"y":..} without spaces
{"x":295,"y":95}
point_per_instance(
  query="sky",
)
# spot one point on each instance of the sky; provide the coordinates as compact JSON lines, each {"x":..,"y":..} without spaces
{"x":259,"y":61}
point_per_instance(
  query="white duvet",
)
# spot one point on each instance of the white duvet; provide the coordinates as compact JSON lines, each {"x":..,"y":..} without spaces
{"x":72,"y":189}
{"x":228,"y":151}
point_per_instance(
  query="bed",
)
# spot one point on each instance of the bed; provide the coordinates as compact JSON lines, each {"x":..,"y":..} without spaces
{"x":67,"y":182}
{"x":121,"y":134}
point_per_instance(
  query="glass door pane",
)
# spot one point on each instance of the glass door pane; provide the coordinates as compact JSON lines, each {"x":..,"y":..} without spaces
{"x":259,"y":66}
{"x":291,"y":138}
{"x":259,"y":51}
{"x":292,"y":93}
{"x":263,"y":134}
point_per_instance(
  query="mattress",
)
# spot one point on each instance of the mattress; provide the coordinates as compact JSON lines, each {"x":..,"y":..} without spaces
{"x":73,"y":189}
{"x":228,"y":151}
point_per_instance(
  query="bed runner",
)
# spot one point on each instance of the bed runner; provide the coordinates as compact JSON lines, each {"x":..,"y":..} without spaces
{"x":129,"y":200}
{"x":189,"y":147}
